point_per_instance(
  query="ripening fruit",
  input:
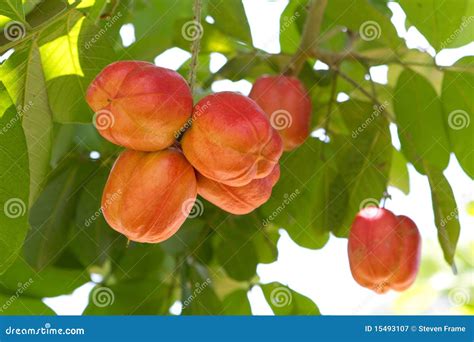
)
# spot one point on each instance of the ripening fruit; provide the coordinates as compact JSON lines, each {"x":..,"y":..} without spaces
{"x":384,"y":250}
{"x":231,"y":140}
{"x":238,"y":200}
{"x":139,"y":105}
{"x":148,"y":196}
{"x":285,"y":100}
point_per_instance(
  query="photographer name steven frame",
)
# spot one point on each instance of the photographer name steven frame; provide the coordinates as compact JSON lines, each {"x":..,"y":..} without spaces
{"x":416,"y":328}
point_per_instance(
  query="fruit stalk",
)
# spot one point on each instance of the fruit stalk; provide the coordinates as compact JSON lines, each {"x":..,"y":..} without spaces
{"x":195,"y":45}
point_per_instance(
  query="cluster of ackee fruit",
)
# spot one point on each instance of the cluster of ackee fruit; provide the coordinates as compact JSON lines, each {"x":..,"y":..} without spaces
{"x":229,"y":154}
{"x":228,"y":150}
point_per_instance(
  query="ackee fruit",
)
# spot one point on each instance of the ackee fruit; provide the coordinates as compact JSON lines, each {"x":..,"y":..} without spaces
{"x":148,"y":195}
{"x":139,"y":105}
{"x":231,"y":140}
{"x":286,"y":102}
{"x":384,"y":250}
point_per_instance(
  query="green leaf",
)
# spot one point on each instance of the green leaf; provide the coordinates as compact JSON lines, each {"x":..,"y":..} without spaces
{"x":285,"y":301}
{"x":419,"y":116}
{"x":291,"y":25}
{"x":236,"y":303}
{"x":230,"y":18}
{"x":399,"y":177}
{"x":363,"y":158}
{"x":459,"y":115}
{"x":154,"y":24}
{"x":73,"y":52}
{"x":298,"y":199}
{"x":445,"y":212}
{"x":200,"y":297}
{"x":130,"y":298}
{"x":51,"y":282}
{"x":236,"y":252}
{"x":24,"y":79}
{"x":187,"y":237}
{"x":362,"y":17}
{"x":90,"y":227}
{"x":139,"y":261}
{"x":14,"y":182}
{"x":12,"y":9}
{"x":23,"y":306}
{"x":52,"y":213}
{"x":444,"y":24}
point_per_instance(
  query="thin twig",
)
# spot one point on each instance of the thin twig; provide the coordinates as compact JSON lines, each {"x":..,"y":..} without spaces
{"x":195,"y":44}
{"x":309,"y":38}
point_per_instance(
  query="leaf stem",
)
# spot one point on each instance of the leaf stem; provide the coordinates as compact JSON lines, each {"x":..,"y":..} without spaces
{"x":195,"y":44}
{"x":309,"y":38}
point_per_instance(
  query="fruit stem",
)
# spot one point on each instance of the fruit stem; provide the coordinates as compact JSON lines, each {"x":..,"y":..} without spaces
{"x":309,"y":38}
{"x":195,"y":44}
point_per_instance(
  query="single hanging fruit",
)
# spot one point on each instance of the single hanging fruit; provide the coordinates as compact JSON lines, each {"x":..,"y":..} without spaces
{"x":139,"y":105}
{"x":148,"y":196}
{"x":286,"y":102}
{"x":384,"y":250}
{"x":231,"y":140}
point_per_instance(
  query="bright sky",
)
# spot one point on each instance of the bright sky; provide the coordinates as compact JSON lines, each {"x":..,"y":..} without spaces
{"x":324,"y":275}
